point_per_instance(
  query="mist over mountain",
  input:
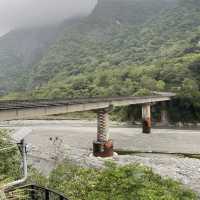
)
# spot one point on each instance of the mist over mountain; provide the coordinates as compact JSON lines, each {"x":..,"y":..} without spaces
{"x":129,"y":47}
{"x":28,"y":13}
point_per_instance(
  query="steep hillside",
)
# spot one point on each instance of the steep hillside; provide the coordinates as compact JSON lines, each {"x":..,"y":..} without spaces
{"x":132,"y":12}
{"x":114,"y":34}
{"x":19,"y":51}
{"x":119,"y":35}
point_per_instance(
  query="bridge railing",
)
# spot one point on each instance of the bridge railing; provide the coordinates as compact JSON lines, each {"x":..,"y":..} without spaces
{"x":35,"y":192}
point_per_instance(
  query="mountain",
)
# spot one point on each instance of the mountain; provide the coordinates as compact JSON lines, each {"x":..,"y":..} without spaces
{"x":128,"y":47}
{"x":114,"y":34}
{"x":117,"y":35}
{"x":19,"y":51}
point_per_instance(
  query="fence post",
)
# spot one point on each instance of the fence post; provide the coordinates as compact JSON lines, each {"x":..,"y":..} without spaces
{"x":61,"y":198}
{"x":46,"y":194}
{"x":33,"y":192}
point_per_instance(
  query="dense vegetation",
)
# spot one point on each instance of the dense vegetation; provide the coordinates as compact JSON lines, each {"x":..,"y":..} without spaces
{"x":9,"y":165}
{"x":128,"y":47}
{"x":122,"y":183}
{"x":9,"y":158}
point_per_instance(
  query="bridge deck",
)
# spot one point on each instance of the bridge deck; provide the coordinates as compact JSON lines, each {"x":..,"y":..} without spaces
{"x":29,"y":109}
{"x":7,"y":105}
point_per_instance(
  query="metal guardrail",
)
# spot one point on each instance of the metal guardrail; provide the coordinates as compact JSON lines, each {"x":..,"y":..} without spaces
{"x":35,"y":192}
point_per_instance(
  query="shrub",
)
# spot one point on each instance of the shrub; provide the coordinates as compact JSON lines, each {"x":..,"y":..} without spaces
{"x":116,"y":183}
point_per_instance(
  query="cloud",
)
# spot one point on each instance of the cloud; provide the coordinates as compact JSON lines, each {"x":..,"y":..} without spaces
{"x":20,"y":13}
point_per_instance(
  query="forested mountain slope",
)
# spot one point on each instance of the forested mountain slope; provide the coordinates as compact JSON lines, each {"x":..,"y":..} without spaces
{"x":128,"y":47}
{"x":114,"y":34}
{"x":119,"y":35}
{"x":20,"y":50}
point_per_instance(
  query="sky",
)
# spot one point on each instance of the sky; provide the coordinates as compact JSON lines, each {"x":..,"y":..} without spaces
{"x":22,"y":13}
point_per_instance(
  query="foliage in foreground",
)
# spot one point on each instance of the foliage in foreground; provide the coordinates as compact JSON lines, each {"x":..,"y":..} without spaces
{"x":9,"y":158}
{"x":115,"y":183}
{"x":9,"y":166}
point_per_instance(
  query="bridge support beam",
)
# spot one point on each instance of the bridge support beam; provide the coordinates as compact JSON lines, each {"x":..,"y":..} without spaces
{"x":146,"y":118}
{"x":164,"y":114}
{"x":103,"y":147}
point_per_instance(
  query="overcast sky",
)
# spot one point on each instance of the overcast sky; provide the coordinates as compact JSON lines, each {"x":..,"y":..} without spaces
{"x":20,"y":13}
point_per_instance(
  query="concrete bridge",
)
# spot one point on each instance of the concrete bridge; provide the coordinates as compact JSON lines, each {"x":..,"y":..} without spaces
{"x":11,"y":110}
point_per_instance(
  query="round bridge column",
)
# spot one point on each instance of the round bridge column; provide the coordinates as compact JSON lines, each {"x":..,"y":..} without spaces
{"x":103,"y":147}
{"x":146,"y":118}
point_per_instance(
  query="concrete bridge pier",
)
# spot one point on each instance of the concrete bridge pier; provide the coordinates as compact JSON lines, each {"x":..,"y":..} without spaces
{"x":164,"y":114}
{"x":103,"y":147}
{"x":146,"y":118}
